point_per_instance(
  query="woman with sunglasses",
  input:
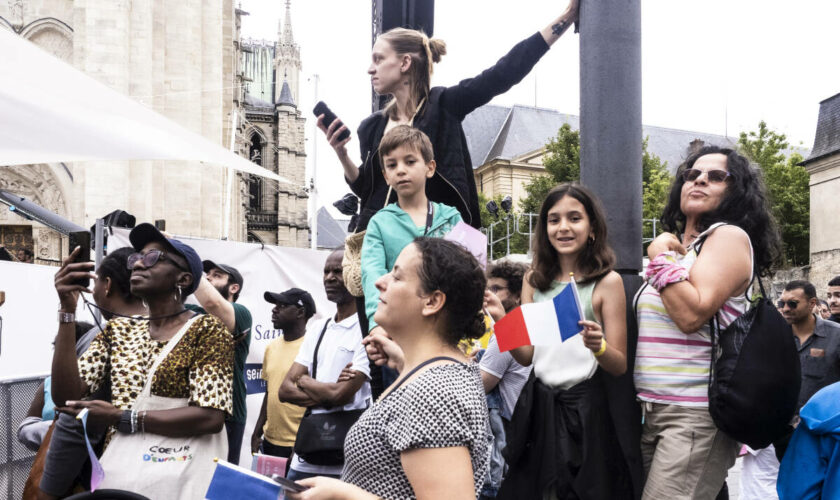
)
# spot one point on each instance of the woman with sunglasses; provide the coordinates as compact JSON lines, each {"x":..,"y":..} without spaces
{"x":717,"y":201}
{"x":190,"y":391}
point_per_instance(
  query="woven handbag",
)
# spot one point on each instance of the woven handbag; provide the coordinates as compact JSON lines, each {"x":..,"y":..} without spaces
{"x":351,"y":264}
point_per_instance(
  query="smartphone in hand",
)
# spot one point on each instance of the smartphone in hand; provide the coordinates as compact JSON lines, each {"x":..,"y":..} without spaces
{"x":322,"y":109}
{"x":81,"y":239}
{"x":288,"y":484}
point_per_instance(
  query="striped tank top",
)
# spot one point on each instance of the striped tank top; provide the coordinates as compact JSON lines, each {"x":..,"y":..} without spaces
{"x":672,"y":367}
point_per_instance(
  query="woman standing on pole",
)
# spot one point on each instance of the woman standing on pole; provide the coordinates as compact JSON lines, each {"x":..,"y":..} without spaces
{"x":402,"y":64}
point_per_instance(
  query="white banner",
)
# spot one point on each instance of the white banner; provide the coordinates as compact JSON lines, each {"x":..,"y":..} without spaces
{"x":29,"y":319}
{"x":30,"y":324}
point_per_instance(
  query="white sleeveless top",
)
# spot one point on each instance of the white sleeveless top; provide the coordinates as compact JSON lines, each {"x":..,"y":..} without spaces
{"x":568,"y":363}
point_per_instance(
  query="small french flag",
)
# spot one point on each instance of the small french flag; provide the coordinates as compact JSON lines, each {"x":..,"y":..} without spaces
{"x":231,"y":482}
{"x":542,"y":323}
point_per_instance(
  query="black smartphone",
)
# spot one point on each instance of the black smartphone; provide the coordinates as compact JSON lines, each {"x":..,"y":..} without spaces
{"x":288,"y":484}
{"x":322,"y":109}
{"x":81,"y":239}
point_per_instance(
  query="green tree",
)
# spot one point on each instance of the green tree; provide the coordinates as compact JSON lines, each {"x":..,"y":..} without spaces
{"x":656,"y":183}
{"x":562,"y":164}
{"x":787,"y":187}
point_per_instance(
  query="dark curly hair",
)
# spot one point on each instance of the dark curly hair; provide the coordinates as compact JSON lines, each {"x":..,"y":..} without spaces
{"x":512,"y":272}
{"x":448,"y":267}
{"x":595,"y":260}
{"x":115,"y":266}
{"x":744,"y":205}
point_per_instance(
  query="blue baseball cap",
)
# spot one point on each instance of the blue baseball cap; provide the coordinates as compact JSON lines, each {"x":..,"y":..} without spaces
{"x":146,"y":233}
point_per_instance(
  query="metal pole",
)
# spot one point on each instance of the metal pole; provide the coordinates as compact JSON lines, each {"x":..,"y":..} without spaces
{"x":229,"y":180}
{"x":611,"y":120}
{"x":99,"y":242}
{"x":490,"y":230}
{"x":313,"y":192}
{"x":507,"y":228}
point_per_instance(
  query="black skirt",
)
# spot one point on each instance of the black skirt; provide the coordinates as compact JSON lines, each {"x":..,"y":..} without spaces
{"x":564,"y":440}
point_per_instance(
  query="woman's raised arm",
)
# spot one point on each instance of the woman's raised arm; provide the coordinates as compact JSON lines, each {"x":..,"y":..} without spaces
{"x":469,"y":94}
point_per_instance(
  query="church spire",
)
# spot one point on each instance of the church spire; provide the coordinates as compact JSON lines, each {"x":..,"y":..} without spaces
{"x":287,"y":25}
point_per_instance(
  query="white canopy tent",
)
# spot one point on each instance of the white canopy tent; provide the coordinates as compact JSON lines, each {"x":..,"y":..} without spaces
{"x":52,"y":112}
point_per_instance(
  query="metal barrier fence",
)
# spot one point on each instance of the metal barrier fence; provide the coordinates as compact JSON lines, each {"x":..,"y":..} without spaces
{"x":15,"y":459}
{"x":512,"y":224}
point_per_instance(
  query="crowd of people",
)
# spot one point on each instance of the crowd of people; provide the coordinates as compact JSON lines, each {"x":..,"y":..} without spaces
{"x":404,"y":391}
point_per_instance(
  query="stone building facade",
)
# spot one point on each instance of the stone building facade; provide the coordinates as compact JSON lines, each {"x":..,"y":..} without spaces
{"x":273,"y":130}
{"x":181,"y":58}
{"x":823,"y":166}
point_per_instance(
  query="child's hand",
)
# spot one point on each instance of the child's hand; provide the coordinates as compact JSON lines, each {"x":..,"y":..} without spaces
{"x":593,"y":335}
{"x":665,"y":242}
{"x":382,"y":350}
{"x":347,"y":374}
{"x":493,"y":306}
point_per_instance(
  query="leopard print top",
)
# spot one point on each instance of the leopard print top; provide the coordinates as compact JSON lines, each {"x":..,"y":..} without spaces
{"x":200,"y":367}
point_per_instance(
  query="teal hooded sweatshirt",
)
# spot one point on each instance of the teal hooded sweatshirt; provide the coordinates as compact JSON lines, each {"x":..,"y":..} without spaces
{"x":388,"y":232}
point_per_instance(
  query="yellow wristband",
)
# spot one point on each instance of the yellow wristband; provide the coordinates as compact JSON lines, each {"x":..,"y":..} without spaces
{"x":602,"y":350}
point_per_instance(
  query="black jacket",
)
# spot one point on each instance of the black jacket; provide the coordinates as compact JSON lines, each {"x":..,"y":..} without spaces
{"x":440,"y":118}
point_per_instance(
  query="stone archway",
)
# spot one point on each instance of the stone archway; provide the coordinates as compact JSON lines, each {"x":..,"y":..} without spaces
{"x":52,"y":35}
{"x":39,"y":184}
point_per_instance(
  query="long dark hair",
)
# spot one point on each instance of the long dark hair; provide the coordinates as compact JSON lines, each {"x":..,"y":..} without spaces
{"x":448,"y":267}
{"x":744,"y":204}
{"x":595,"y":260}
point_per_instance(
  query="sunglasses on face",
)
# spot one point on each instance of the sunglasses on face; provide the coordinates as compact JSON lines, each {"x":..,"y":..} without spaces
{"x":692,"y":174}
{"x":790,"y":303}
{"x":151,"y":258}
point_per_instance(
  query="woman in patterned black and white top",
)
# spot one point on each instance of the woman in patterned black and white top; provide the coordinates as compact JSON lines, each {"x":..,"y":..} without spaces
{"x":427,"y":436}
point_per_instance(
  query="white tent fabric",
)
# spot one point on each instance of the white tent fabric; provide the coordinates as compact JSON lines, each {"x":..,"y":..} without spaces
{"x":51,"y":112}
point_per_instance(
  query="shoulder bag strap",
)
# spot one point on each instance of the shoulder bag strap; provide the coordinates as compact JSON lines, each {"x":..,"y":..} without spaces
{"x":430,"y":216}
{"x":400,"y":382}
{"x":318,"y":346}
{"x":147,"y":387}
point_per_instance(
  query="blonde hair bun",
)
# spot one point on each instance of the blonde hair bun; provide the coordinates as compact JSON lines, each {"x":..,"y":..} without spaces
{"x":438,"y":49}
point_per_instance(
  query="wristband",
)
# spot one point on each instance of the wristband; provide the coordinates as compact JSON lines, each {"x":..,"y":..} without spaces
{"x":66,"y":317}
{"x":600,"y":352}
{"x":126,"y":422}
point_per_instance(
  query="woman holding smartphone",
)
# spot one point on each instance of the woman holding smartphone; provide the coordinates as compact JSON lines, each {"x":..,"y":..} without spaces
{"x":402,"y":64}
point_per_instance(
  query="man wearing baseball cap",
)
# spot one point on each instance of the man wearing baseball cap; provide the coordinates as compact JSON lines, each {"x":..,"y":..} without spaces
{"x":277,"y":425}
{"x":217,"y":293}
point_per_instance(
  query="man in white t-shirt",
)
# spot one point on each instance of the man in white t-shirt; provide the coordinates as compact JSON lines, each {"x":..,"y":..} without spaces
{"x":340,"y":347}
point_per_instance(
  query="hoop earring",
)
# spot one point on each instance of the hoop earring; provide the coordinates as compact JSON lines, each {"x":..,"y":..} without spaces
{"x":145,"y":304}
{"x":178,"y":297}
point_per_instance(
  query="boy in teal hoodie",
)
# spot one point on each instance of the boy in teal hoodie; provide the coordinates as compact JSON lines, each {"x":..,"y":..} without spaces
{"x":407,"y":161}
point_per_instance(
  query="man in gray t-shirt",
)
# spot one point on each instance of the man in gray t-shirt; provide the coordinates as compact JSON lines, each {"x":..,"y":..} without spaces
{"x":499,"y":368}
{"x":503,"y":378}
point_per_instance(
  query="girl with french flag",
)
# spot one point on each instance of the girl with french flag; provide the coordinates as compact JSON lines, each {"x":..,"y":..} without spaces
{"x":562,"y":442}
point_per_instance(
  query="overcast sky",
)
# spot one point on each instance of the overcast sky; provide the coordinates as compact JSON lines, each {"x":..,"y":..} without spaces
{"x":715,"y":66}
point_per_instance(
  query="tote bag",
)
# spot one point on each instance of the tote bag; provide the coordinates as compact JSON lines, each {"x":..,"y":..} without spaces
{"x":161,"y":466}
